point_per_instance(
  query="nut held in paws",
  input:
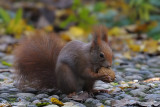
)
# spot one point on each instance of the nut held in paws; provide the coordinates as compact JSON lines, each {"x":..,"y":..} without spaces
{"x":108,"y":71}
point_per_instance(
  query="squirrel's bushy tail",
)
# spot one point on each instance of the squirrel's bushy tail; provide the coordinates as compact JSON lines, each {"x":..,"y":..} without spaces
{"x":35,"y":61}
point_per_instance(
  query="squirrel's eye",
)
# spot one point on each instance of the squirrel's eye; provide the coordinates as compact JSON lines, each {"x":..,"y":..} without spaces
{"x":101,"y":55}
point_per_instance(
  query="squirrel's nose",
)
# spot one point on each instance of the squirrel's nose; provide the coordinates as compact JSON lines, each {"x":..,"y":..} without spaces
{"x":107,"y":65}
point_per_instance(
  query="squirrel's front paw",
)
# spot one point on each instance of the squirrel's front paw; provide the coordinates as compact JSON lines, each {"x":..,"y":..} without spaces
{"x":104,"y":77}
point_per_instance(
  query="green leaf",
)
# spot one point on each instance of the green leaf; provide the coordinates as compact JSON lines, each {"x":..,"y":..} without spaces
{"x":84,"y":13}
{"x":76,"y":4}
{"x":70,"y":19}
{"x":100,"y":6}
{"x":18,"y":16}
{"x":155,"y":32}
{"x":114,"y":83}
{"x":6,"y":63}
{"x":42,"y":104}
{"x":5,"y":16}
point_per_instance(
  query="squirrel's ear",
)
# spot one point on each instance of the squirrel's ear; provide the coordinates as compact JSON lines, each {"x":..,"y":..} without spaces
{"x":104,"y":34}
{"x":96,"y":38}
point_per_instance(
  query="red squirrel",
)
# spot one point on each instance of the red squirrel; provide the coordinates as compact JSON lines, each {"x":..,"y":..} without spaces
{"x":42,"y":62}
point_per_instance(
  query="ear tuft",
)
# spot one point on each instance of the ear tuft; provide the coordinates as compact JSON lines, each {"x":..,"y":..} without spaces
{"x":100,"y":33}
{"x":96,"y":36}
{"x":104,"y":34}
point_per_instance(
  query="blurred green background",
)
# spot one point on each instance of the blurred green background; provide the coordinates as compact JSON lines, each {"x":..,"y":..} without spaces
{"x":134,"y":24}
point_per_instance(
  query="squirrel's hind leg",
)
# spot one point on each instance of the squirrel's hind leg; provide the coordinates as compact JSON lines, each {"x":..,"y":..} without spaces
{"x":88,"y":86}
{"x":66,"y":81}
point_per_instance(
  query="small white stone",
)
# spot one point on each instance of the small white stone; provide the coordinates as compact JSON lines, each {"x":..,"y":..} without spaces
{"x":151,"y":84}
{"x":21,"y":104}
{"x":51,"y":105}
{"x":135,"y":80}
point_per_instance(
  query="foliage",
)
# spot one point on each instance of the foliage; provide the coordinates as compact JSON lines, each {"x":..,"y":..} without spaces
{"x":124,"y":19}
{"x":4,"y":15}
{"x":155,"y":32}
{"x":100,"y":6}
{"x":141,"y":9}
{"x":13,"y":25}
{"x":80,"y":15}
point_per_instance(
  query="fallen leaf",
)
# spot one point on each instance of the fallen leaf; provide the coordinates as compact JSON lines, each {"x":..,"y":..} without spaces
{"x":152,"y":79}
{"x":6,"y":63}
{"x":134,"y":47}
{"x":151,"y":46}
{"x":127,"y":55}
{"x":76,"y":31}
{"x":56,"y":101}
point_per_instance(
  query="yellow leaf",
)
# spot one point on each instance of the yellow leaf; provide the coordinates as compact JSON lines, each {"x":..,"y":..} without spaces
{"x":56,"y":101}
{"x":16,"y":28}
{"x":48,"y":28}
{"x":134,"y":47}
{"x":116,"y":31}
{"x":29,"y":28}
{"x":127,"y":55}
{"x":76,"y":31}
{"x":151,"y":46}
{"x":66,"y":37}
{"x":102,"y":106}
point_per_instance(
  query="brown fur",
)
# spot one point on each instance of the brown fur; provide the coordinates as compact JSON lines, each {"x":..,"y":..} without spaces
{"x":40,"y":62}
{"x":35,"y":61}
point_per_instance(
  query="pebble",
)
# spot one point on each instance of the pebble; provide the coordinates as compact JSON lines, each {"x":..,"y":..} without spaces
{"x":22,"y":104}
{"x":66,"y":99}
{"x":157,"y":92}
{"x":7,"y":40}
{"x":2,"y":100}
{"x":8,"y":58}
{"x":14,"y":90}
{"x":40,"y":96}
{"x":46,"y":99}
{"x":143,"y":87}
{"x":4,"y":95}
{"x":107,"y":102}
{"x":3,"y":47}
{"x":99,"y":88}
{"x":80,"y":105}
{"x":154,"y":70}
{"x":132,"y":70}
{"x":157,"y":74}
{"x":52,"y":105}
{"x":101,"y":97}
{"x":99,"y":105}
{"x":36,"y":101}
{"x":31,"y":106}
{"x":25,"y":95}
{"x":106,"y":86}
{"x":2,"y":54}
{"x":137,"y":93}
{"x":133,"y":77}
{"x":91,"y":100}
{"x":154,"y":97}
{"x":54,"y":96}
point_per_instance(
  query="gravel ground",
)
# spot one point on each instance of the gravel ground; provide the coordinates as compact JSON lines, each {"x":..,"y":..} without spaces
{"x":130,"y":88}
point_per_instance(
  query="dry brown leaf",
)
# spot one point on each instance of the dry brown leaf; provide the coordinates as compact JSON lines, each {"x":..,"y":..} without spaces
{"x":152,"y":79}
